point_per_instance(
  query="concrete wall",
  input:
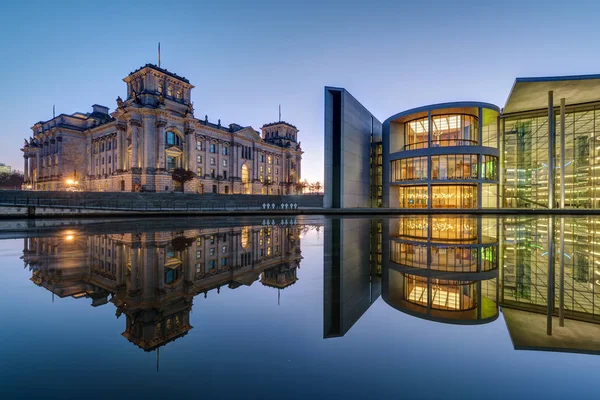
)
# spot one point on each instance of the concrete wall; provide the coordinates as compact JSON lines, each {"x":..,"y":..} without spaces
{"x":348,"y":129}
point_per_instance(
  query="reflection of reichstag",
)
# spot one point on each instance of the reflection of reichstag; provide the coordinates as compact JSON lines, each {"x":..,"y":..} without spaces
{"x":464,"y":269}
{"x":152,"y":277}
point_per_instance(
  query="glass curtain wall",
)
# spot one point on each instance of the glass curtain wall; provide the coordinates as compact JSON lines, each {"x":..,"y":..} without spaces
{"x":526,"y":159}
{"x":525,"y":270}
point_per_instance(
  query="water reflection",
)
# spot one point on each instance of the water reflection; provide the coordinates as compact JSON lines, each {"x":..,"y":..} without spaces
{"x":153,"y":276}
{"x":465,"y":269}
{"x":542,"y":275}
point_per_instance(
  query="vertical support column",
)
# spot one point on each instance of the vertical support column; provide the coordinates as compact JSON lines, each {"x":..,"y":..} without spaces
{"x":120,"y":264}
{"x":160,"y":269}
{"x":429,"y":133}
{"x":160,"y":140}
{"x":550,"y":293}
{"x":190,"y":139}
{"x":429,"y":198}
{"x":562,"y":154}
{"x":561,"y":298}
{"x":134,"y":270}
{"x":480,"y":127}
{"x":30,"y":162}
{"x":500,"y":134}
{"x":26,"y":167}
{"x":551,"y":147}
{"x":429,"y":129}
{"x":38,"y":164}
{"x":500,"y":283}
{"x":479,"y":241}
{"x":135,"y":141}
{"x":123,"y":151}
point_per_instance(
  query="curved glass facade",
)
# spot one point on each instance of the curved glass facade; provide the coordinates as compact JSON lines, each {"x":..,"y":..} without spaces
{"x":446,"y":130}
{"x":450,"y":244}
{"x":443,"y":268}
{"x":446,"y":159}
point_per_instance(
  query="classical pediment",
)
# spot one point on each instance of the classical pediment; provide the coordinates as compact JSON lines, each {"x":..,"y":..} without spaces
{"x":248,"y":133}
{"x":174,"y":151}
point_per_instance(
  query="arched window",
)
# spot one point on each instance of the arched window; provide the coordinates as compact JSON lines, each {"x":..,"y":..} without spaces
{"x":179,"y":95}
{"x":160,"y":88}
{"x":246,"y":179}
{"x":245,"y":239}
{"x":172,"y":139}
{"x":170,"y":90}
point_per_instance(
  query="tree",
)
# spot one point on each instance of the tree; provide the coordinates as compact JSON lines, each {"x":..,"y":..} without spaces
{"x":14,"y":180}
{"x":182,"y":175}
{"x":317,"y":186}
{"x":301,"y":186}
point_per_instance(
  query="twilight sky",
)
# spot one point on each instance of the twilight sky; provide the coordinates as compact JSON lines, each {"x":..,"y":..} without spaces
{"x":246,"y":57}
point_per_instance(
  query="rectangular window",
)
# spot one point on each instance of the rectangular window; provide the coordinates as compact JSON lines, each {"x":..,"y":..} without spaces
{"x":212,"y":173}
{"x":214,"y":188}
{"x":211,"y":264}
{"x":262,"y":169}
{"x":226,"y":189}
{"x":225,"y":175}
{"x":224,"y":150}
{"x":199,"y":171}
{"x":109,"y":159}
{"x":262,"y":179}
{"x":108,"y":145}
{"x":212,"y":161}
{"x":199,"y":158}
{"x":199,"y":145}
{"x":212,"y":251}
{"x":213,"y":148}
{"x":270,"y":159}
{"x":262,"y":158}
{"x":224,"y":262}
{"x":224,"y":163}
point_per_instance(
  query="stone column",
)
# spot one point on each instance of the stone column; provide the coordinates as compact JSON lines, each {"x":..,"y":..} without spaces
{"x":160,"y":270}
{"x":38,"y":163}
{"x":122,"y":146}
{"x":134,"y":270}
{"x":160,"y":144}
{"x":135,"y":125}
{"x":191,"y":148}
{"x":26,"y":167}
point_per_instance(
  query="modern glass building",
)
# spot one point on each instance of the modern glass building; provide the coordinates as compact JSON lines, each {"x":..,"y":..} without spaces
{"x":442,"y":156}
{"x":469,"y":155}
{"x":443,"y":268}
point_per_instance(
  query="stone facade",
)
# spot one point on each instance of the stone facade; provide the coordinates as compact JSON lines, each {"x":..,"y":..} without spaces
{"x":152,"y":132}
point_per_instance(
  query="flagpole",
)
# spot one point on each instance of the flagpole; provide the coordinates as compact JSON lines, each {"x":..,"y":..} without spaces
{"x":158,"y":54}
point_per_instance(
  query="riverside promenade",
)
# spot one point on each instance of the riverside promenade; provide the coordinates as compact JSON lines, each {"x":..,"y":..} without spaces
{"x":29,"y":204}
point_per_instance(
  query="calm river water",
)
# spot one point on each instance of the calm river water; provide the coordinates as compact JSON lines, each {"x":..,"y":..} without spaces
{"x":307,"y":307}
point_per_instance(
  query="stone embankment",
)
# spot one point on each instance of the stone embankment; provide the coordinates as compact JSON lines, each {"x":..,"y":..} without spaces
{"x":19,"y":204}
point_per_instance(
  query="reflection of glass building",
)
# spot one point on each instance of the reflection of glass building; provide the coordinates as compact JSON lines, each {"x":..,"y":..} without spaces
{"x":468,"y":155}
{"x":443,"y":268}
{"x":152,"y":277}
{"x":442,"y":156}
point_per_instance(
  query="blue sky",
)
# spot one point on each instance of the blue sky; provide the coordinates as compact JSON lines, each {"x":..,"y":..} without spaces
{"x":247,"y":57}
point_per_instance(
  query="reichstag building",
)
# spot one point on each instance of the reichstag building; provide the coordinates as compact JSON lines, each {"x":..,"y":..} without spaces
{"x":152,"y":132}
